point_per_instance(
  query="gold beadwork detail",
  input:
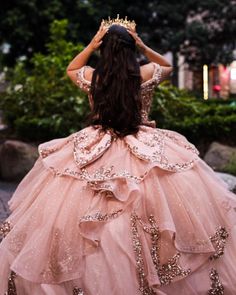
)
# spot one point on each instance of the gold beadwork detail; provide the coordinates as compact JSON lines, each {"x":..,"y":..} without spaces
{"x":78,"y":291}
{"x":219,"y":239}
{"x":45,"y":152}
{"x":216,"y":286}
{"x":102,"y":174}
{"x":5,"y":228}
{"x":166,"y":272}
{"x":63,"y":258}
{"x":147,"y":90}
{"x":11,"y":290}
{"x":101,"y":217}
{"x":137,"y":246}
{"x":84,"y":84}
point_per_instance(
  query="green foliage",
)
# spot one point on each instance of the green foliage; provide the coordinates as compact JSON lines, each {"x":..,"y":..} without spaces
{"x":202,"y":122}
{"x":204,"y":30}
{"x":44,"y":103}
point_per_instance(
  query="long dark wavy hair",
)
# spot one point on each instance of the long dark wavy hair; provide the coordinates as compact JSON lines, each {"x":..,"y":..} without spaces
{"x":116,"y":84}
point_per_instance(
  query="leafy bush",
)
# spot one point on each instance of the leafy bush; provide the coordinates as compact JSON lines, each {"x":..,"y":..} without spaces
{"x":200,"y":121}
{"x":42,"y":102}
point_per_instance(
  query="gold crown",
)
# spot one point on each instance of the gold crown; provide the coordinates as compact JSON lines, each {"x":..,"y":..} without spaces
{"x":119,"y":21}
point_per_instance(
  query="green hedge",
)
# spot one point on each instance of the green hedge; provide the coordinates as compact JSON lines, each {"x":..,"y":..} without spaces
{"x":200,"y":121}
{"x":42,"y":103}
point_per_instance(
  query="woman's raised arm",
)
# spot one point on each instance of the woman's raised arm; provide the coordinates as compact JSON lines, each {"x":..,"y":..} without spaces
{"x":82,"y":58}
{"x":153,"y":56}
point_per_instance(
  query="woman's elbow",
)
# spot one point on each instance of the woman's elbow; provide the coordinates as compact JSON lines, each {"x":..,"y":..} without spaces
{"x":68,"y":70}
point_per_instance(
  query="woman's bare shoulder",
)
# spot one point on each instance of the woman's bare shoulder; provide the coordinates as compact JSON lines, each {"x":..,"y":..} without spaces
{"x":147,"y":71}
{"x":88,"y":73}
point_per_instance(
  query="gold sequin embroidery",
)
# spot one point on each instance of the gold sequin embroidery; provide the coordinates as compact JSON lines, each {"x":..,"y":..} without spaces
{"x":156,"y":140}
{"x":147,"y":89}
{"x":11,"y":290}
{"x":101,"y":217}
{"x":102,"y":174}
{"x":137,"y":247}
{"x":219,"y":240}
{"x":82,"y":82}
{"x":78,"y":291}
{"x":44,"y":152}
{"x":5,"y":228}
{"x":166,"y":272}
{"x":62,"y":259}
{"x":216,"y":286}
{"x":85,"y":148}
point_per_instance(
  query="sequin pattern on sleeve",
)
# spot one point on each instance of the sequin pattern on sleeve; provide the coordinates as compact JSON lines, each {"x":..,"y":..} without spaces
{"x":83,"y":84}
{"x":147,"y":89}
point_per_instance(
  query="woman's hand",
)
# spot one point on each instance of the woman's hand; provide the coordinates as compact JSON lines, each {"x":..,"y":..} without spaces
{"x":139,"y":43}
{"x":97,"y":39}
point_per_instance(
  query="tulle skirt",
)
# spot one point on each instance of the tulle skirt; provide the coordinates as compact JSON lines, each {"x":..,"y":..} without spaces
{"x":102,"y":215}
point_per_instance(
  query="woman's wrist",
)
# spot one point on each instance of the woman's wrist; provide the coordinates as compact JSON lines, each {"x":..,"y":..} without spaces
{"x":144,"y":49}
{"x":90,"y":48}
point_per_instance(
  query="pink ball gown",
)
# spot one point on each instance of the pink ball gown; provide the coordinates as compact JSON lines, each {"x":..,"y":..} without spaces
{"x":101,"y":215}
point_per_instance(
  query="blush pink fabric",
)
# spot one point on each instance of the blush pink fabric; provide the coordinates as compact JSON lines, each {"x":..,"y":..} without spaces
{"x":71,"y":217}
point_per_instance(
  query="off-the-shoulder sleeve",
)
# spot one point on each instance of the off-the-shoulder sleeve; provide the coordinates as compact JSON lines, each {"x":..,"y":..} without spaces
{"x":157,"y":74}
{"x":83,"y":84}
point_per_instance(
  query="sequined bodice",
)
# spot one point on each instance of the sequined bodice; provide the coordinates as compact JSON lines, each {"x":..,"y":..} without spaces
{"x":147,"y":89}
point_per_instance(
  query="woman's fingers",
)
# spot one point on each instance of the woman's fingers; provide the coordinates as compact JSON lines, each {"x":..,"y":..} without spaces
{"x":138,"y":40}
{"x":102,"y":33}
{"x":133,"y":34}
{"x":97,"y":39}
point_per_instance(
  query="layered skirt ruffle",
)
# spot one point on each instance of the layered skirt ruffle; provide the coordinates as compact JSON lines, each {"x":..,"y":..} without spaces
{"x":103,"y":215}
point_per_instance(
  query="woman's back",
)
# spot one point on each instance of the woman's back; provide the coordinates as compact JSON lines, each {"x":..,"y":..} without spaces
{"x":151,"y":76}
{"x":120,"y":90}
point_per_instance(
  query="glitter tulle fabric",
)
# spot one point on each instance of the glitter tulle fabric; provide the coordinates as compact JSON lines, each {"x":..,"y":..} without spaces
{"x":100,"y":215}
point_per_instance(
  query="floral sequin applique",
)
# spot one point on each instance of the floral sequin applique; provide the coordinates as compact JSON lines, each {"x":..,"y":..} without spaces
{"x":219,"y":240}
{"x":150,"y":145}
{"x":78,"y":291}
{"x":102,"y":174}
{"x":11,"y":290}
{"x":147,"y":89}
{"x":166,"y":272}
{"x":101,"y":217}
{"x":137,"y":246}
{"x":216,"y":286}
{"x":62,"y":260}
{"x":82,"y":82}
{"x":45,"y":151}
{"x":180,"y":140}
{"x":5,"y":228}
{"x":90,"y":146}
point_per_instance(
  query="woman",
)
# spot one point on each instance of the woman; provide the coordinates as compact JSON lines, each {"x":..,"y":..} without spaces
{"x":119,"y":207}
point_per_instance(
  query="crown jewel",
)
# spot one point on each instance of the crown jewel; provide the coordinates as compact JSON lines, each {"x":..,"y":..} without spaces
{"x":119,"y":21}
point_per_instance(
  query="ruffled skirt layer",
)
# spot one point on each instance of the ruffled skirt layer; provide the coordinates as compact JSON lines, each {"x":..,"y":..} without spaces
{"x":117,"y":223}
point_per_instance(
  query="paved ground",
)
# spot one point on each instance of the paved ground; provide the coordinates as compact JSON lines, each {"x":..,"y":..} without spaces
{"x":6,"y":191}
